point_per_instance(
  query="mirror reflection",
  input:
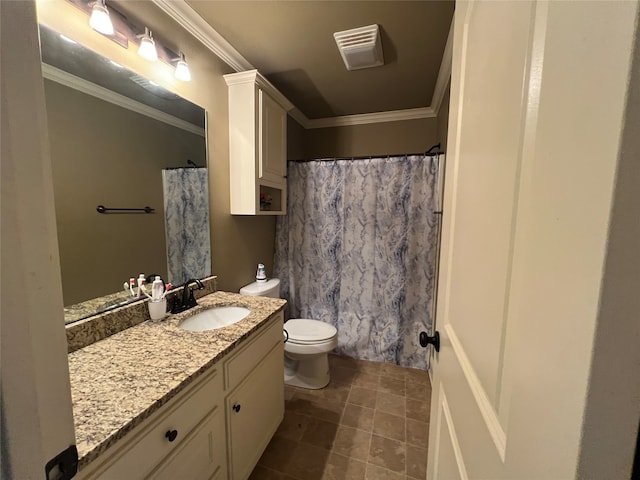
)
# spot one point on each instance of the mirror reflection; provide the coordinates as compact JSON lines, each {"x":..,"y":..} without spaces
{"x":119,"y":140}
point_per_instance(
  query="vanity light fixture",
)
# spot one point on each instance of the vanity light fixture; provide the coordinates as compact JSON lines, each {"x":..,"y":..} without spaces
{"x":100,"y":20}
{"x":118,"y":28}
{"x":182,"y":69}
{"x":147,"y":47}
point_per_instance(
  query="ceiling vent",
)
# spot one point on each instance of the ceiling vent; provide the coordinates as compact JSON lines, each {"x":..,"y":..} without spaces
{"x":360,"y":47}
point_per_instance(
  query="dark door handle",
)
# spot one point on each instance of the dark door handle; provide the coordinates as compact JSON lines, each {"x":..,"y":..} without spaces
{"x":426,"y":340}
{"x":171,"y":435}
{"x":236,"y":407}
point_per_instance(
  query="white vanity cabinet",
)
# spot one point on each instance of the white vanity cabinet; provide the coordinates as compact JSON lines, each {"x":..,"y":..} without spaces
{"x":186,"y":435}
{"x":255,"y":399}
{"x":217,"y":428}
{"x":257,"y":145}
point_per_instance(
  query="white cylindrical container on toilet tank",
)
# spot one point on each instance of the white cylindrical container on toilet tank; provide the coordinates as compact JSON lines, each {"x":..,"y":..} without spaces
{"x":306,"y":364}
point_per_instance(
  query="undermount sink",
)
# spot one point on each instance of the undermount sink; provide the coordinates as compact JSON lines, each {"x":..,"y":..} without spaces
{"x":216,"y":317}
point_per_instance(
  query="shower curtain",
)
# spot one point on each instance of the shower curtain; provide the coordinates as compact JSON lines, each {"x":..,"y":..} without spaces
{"x":357,"y":249}
{"x":186,"y":210}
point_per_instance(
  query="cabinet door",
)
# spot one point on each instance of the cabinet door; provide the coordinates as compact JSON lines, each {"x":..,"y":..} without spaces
{"x":201,"y":456}
{"x":254,"y":411}
{"x":272,"y":134}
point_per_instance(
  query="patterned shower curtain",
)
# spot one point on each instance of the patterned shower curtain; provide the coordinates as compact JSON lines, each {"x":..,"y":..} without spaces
{"x":186,"y":211}
{"x":357,"y":249}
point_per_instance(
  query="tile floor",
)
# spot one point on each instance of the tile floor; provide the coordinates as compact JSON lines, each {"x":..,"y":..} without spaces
{"x":371,"y":422}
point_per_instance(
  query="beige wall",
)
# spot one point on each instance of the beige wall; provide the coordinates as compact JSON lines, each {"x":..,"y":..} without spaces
{"x":443,"y":120}
{"x":408,"y":136}
{"x":103,"y":154}
{"x":237,"y":243}
{"x":295,"y":140}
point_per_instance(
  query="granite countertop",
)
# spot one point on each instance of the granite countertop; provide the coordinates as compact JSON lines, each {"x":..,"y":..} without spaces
{"x":87,"y":308}
{"x":118,"y":382}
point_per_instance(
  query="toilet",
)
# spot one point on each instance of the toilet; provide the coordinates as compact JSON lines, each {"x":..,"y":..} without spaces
{"x":306,"y":363}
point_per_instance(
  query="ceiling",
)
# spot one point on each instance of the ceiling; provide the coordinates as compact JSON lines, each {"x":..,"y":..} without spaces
{"x":291,"y":43}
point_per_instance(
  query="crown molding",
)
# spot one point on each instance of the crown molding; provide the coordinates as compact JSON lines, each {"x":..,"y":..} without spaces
{"x":193,"y":23}
{"x":59,"y":76}
{"x":254,"y":77}
{"x":444,"y":74}
{"x":378,"y":117}
{"x":300,"y":117}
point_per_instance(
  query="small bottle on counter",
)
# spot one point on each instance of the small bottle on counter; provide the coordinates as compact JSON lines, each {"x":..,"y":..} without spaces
{"x":157,"y":289}
{"x":141,"y":280}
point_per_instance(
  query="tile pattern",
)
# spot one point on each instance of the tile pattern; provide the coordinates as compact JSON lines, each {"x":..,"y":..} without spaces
{"x":118,"y":382}
{"x":87,"y":322}
{"x":371,"y":422}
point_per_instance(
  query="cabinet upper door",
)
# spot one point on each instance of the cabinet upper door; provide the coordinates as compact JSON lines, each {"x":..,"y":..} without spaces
{"x":273,"y":139}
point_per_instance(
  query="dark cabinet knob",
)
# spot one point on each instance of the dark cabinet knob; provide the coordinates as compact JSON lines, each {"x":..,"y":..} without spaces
{"x":426,"y":340}
{"x":236,"y":407}
{"x":171,"y":435}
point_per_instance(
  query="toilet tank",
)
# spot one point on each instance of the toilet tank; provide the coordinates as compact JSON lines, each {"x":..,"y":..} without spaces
{"x":270,"y":288}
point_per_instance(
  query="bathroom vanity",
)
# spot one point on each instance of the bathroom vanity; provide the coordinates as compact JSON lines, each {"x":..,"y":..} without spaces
{"x":157,"y":401}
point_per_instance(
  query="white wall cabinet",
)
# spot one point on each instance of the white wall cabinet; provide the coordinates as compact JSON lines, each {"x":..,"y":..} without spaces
{"x":216,"y":429}
{"x":257,"y":145}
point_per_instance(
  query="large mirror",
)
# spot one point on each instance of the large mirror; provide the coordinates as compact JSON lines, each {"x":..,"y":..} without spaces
{"x":120,"y":141}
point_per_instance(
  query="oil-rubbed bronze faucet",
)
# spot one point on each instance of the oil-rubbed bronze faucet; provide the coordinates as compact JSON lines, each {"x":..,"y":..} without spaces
{"x":188,"y":300}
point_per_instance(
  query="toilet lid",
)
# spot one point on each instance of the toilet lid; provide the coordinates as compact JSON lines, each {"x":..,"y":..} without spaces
{"x":304,"y":330}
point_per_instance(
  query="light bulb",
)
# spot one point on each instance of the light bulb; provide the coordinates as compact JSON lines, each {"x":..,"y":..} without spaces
{"x":148,"y":46}
{"x":99,"y":19}
{"x":182,"y":70}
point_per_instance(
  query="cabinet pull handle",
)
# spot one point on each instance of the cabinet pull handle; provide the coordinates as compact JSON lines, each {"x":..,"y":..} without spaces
{"x":236,"y":407}
{"x":171,"y":435}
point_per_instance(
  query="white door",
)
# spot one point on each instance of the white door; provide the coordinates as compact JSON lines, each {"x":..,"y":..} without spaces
{"x":37,"y":417}
{"x":537,"y":102}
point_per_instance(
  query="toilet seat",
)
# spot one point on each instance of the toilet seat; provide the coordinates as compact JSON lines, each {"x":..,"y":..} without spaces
{"x":305,"y":331}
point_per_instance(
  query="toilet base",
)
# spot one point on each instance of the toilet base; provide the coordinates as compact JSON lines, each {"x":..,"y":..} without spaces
{"x":306,"y":371}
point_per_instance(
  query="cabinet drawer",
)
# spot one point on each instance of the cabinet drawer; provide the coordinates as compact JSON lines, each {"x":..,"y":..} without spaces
{"x":243,"y":362}
{"x":201,"y":456}
{"x":149,"y":446}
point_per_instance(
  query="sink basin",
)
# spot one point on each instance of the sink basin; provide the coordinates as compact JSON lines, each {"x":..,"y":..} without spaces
{"x":213,"y":318}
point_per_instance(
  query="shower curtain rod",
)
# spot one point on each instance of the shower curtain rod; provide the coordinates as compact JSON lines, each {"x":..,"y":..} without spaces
{"x":428,"y":153}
